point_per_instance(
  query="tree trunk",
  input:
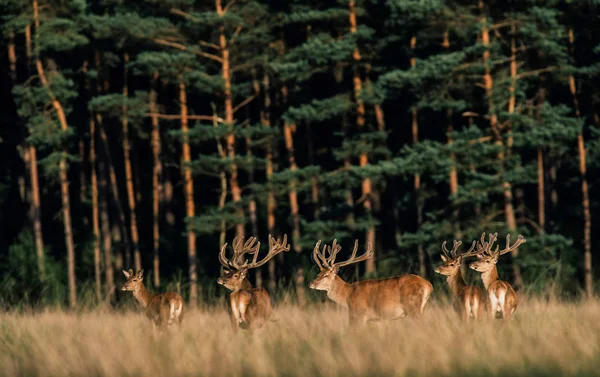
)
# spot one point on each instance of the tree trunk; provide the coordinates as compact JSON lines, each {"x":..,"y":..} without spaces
{"x":417,"y":177}
{"x":236,"y":192}
{"x":453,"y":176}
{"x":95,"y":215}
{"x":106,"y":230}
{"x":271,"y":202}
{"x":64,"y":179}
{"x":509,"y":212}
{"x":189,"y":194}
{"x":121,"y":234}
{"x":156,"y":186}
{"x":288,"y":130}
{"x":128,"y":170}
{"x":360,"y":122}
{"x":585,"y":198}
{"x":31,"y":165}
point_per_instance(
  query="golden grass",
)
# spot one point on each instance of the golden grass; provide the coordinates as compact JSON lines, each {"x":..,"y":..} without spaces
{"x":543,"y":339}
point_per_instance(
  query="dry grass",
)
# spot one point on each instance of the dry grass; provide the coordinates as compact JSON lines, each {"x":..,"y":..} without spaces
{"x":543,"y":339}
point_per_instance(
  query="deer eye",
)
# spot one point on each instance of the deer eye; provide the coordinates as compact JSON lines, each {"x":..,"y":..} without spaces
{"x":236,"y":275}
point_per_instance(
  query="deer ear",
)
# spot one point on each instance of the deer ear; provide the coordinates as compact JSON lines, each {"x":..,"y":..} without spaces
{"x":243,"y":272}
{"x":479,"y":256}
{"x":141,"y":274}
{"x":336,"y":269}
{"x":226,"y":271}
{"x":127,"y":274}
{"x":443,"y":257}
{"x":459,"y":259}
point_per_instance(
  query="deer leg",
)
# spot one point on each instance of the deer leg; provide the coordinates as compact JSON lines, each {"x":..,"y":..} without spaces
{"x":493,"y":305}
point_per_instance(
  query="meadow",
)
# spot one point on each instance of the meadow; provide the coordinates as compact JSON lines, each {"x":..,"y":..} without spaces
{"x":545,"y":338}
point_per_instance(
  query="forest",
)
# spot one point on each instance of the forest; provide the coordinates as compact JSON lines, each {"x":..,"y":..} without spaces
{"x":147,"y":134}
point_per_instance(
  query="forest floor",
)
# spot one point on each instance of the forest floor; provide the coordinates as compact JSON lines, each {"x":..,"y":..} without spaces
{"x":543,"y":339}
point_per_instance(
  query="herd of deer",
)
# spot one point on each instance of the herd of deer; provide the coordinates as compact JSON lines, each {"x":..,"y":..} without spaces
{"x":369,"y":300}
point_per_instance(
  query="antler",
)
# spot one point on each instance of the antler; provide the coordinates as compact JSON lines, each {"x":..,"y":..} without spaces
{"x":275,"y":247}
{"x":452,"y":254}
{"x":520,"y":240}
{"x":240,"y":248}
{"x":324,"y":261}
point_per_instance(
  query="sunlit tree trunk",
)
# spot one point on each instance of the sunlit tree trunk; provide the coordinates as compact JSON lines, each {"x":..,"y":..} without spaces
{"x":236,"y":192}
{"x":585,"y":196}
{"x":30,"y":157}
{"x":95,"y":213}
{"x":265,"y":118}
{"x":360,"y":122}
{"x":189,"y":193}
{"x":417,"y":176}
{"x":64,"y":179}
{"x":509,"y":212}
{"x":156,"y":189}
{"x":128,"y":170}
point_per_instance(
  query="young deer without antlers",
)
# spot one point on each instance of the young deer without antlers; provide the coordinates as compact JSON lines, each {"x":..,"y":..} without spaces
{"x":501,"y":295}
{"x":163,"y":309}
{"x":369,"y":300}
{"x":249,"y":308}
{"x":468,"y":299}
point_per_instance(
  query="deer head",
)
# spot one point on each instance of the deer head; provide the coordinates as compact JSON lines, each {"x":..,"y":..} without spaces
{"x":452,"y":259}
{"x":487,"y":258}
{"x":235,"y":270}
{"x":134,"y":281}
{"x":325,"y":260}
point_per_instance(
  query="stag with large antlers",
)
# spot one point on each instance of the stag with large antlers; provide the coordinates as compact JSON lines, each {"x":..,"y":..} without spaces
{"x":502,"y":298}
{"x":468,"y":299}
{"x":249,"y":308}
{"x":369,"y":300}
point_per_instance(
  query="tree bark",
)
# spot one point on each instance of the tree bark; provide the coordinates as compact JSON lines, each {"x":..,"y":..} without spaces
{"x":360,"y":122}
{"x":137,"y":259}
{"x":120,"y":236}
{"x":64,"y":180}
{"x":106,"y":229}
{"x":156,"y":185}
{"x":417,"y":177}
{"x":236,"y":192}
{"x":95,"y":213}
{"x":271,"y":201}
{"x":585,"y":198}
{"x":31,"y":166}
{"x":509,"y":212}
{"x":189,"y":194}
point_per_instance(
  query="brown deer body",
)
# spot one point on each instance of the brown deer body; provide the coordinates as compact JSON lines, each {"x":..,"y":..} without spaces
{"x":369,"y":300}
{"x":502,"y":298}
{"x":249,"y":308}
{"x":162,"y":309}
{"x":469,"y":301}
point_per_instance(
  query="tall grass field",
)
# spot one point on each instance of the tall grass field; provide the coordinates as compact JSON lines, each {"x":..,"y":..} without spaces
{"x":542,"y":339}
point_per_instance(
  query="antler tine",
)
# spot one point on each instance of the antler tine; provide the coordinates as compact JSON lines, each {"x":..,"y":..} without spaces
{"x":492,"y":237}
{"x":353,"y":259}
{"x":333,"y":251}
{"x":455,"y":245}
{"x":473,"y":250}
{"x":520,"y":240}
{"x":240,"y":248}
{"x":445,"y":251}
{"x":275,"y":247}
{"x":316,"y":255}
{"x":222,"y":257}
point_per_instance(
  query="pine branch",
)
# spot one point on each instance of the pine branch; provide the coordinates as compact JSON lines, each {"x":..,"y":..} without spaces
{"x":182,"y":47}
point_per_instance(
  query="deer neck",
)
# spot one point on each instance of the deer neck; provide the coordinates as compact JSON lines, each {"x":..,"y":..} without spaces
{"x":142,"y":295}
{"x":489,"y":277}
{"x":244,"y":286}
{"x":339,"y":292}
{"x":455,"y":282}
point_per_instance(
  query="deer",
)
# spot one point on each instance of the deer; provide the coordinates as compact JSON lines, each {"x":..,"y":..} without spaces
{"x":249,"y":308}
{"x":368,"y":300}
{"x":502,"y":298}
{"x":469,"y":301}
{"x":163,"y":309}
